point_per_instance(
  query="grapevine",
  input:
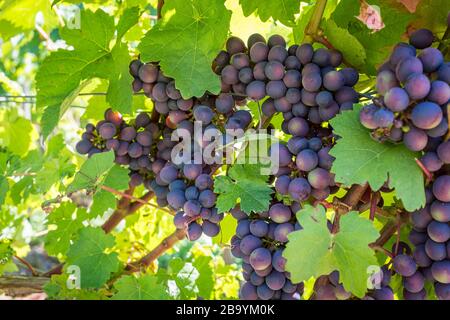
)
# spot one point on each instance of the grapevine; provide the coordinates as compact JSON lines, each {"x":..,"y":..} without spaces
{"x":164,"y":151}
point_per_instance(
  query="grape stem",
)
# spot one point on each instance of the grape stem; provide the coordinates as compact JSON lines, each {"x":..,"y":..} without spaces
{"x":312,"y":29}
{"x":427,"y":173}
{"x":28,"y":265}
{"x":166,"y":244}
{"x":349,"y":201}
{"x":159,"y":9}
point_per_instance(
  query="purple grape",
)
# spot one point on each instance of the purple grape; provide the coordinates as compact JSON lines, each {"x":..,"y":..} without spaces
{"x":260,"y":258}
{"x":235,"y":45}
{"x":442,"y":291}
{"x":282,"y":184}
{"x":298,"y":127}
{"x":256,"y":90}
{"x":276,"y":40}
{"x":311,"y":81}
{"x":282,"y":230}
{"x":441,"y":271}
{"x":192,"y":208}
{"x":194,"y":231}
{"x":324,"y":99}
{"x":259,"y":228}
{"x":421,"y":257}
{"x":278,"y":261}
{"x":83,"y":146}
{"x":307,"y":160}
{"x":431,"y":161}
{"x":441,"y":188}
{"x":292,"y":79}
{"x":280,"y":151}
{"x":426,"y":115}
{"x":276,"y":89}
{"x":440,"y":211}
{"x":333,"y":80}
{"x":439,"y":92}
{"x":207,"y":198}
{"x":107,"y":130}
{"x":366,"y":116}
{"x":386,"y":80}
{"x":421,"y":39}
{"x":259,"y":71}
{"x":148,"y":73}
{"x":321,"y":57}
{"x":180,"y":220}
{"x":274,"y":70}
{"x":396,"y":99}
{"x":204,"y":181}
{"x":277,"y":53}
{"x":177,"y":185}
{"x":275,"y":280}
{"x":210,"y":229}
{"x":417,"y":86}
{"x":436,"y":251}
{"x":250,"y":243}
{"x":293,"y":95}
{"x":431,"y":59}
{"x":415,"y":139}
{"x":404,"y":265}
{"x":421,"y":218}
{"x":264,"y":292}
{"x":299,"y":189}
{"x":408,"y":67}
{"x":305,"y":53}
{"x":414,"y":283}
{"x":438,"y":231}
{"x":280,"y":213}
{"x":176,"y":199}
{"x":319,"y":178}
{"x":351,"y":76}
{"x":401,"y":52}
{"x":230,"y":75}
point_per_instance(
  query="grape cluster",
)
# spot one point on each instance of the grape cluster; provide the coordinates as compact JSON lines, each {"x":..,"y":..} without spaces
{"x":414,"y":95}
{"x":259,"y":241}
{"x":414,"y":92}
{"x":329,"y":287}
{"x":430,"y":260}
{"x":307,"y":88}
{"x":187,"y":188}
{"x":132,"y":142}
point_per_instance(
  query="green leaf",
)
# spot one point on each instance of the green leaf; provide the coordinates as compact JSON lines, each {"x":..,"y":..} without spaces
{"x":205,"y":280}
{"x":185,"y":42}
{"x":91,"y":172}
{"x":143,"y":288}
{"x":314,"y":251}
{"x":15,"y":133}
{"x":343,"y":41}
{"x":375,"y":162}
{"x":117,"y":178}
{"x":244,"y":183}
{"x":88,"y":253}
{"x":282,"y":10}
{"x":4,"y":187}
{"x":67,"y":226}
{"x":64,"y":74}
{"x":377,"y":45}
{"x":128,"y":19}
{"x":185,"y":276}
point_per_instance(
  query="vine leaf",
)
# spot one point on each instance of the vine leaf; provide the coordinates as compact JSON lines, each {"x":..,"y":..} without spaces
{"x":145,"y":287}
{"x":282,"y":10}
{"x":313,"y":251}
{"x":65,"y":73}
{"x":67,"y":223}
{"x":15,"y":133}
{"x":185,"y":42}
{"x":117,"y":179}
{"x":375,"y":162}
{"x":377,"y":45}
{"x":185,"y":276}
{"x":244,"y":183}
{"x":92,"y":172}
{"x":88,"y":253}
{"x":343,"y":41}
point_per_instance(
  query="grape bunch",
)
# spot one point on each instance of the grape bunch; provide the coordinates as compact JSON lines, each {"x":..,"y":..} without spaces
{"x":259,"y":241}
{"x":187,"y":188}
{"x":329,"y":287}
{"x":414,"y":93}
{"x":307,"y":87}
{"x":132,"y":142}
{"x":412,"y":108}
{"x":430,"y":260}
